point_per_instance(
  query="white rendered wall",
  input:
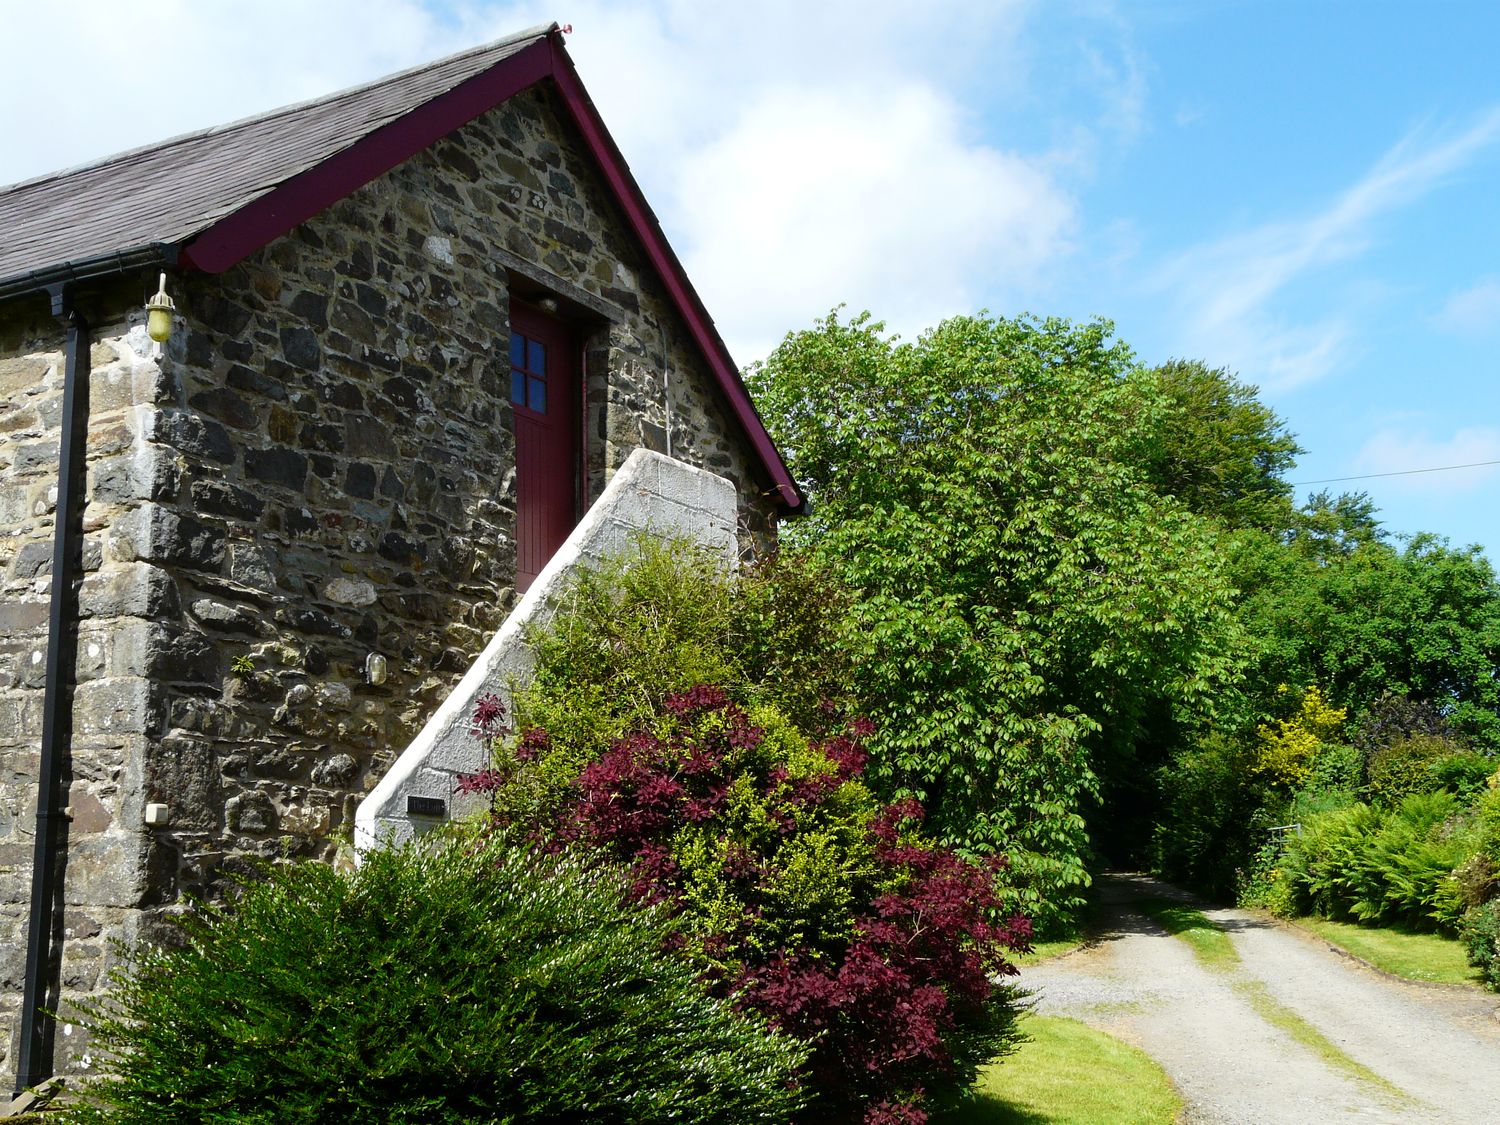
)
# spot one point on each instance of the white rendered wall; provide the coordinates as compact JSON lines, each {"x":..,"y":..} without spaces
{"x":649,"y":494}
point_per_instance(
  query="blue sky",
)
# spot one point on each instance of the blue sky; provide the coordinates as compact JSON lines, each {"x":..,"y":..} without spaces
{"x":1304,"y":193}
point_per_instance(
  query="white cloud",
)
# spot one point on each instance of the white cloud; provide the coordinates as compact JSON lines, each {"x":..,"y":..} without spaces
{"x":1227,"y":290}
{"x":1118,"y":74}
{"x":1400,"y":451}
{"x":1474,"y":311}
{"x":871,"y":197}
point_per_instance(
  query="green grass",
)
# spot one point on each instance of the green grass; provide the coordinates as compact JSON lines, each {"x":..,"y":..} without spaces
{"x":1046,"y":950}
{"x":1400,"y":952}
{"x":1208,"y":940}
{"x":1085,"y":928}
{"x":1068,"y":1073}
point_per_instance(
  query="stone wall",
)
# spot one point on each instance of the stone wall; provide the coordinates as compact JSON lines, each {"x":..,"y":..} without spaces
{"x":317,"y":470}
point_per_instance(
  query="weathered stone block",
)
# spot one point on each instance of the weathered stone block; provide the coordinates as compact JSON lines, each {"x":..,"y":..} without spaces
{"x":226,"y":406}
{"x":335,"y":771}
{"x":20,"y":718}
{"x":348,"y":591}
{"x":220,"y":498}
{"x":159,"y":534}
{"x":108,"y":437}
{"x":181,"y":656}
{"x":88,"y":813}
{"x":129,"y":590}
{"x":31,"y":560}
{"x":147,"y":473}
{"x":254,"y":565}
{"x":22,"y":617}
{"x":224,"y":618}
{"x":113,"y":706}
{"x":285,"y":468}
{"x":359,"y":480}
{"x":300,"y":347}
{"x":305,"y":820}
{"x":243,"y":378}
{"x":250,"y":812}
{"x":106,"y":869}
{"x":312,"y":307}
{"x":111,"y":387}
{"x":13,"y":502}
{"x":365,"y":437}
{"x":315,"y":621}
{"x":184,"y":773}
{"x":193,"y":435}
{"x":77,"y":924}
{"x":35,"y":457}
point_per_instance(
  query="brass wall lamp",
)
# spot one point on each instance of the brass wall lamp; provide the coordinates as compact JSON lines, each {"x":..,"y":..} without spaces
{"x":159,"y":313}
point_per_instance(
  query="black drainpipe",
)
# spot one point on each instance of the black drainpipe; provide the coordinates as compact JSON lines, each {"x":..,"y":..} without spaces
{"x":38,"y":1028}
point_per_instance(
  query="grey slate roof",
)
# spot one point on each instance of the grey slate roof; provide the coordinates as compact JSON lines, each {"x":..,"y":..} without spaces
{"x":170,"y":191}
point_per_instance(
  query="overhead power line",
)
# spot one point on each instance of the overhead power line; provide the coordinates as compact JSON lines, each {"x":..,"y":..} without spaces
{"x":1401,"y":473}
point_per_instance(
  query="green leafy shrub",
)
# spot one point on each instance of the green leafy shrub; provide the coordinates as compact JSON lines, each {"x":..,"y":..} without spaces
{"x":1487,"y":814}
{"x":1464,"y":774}
{"x":1336,"y":768}
{"x":1480,"y":933}
{"x":1400,"y":769}
{"x":1378,"y":865}
{"x":1262,"y":885}
{"x":662,"y":618}
{"x":452,"y":982}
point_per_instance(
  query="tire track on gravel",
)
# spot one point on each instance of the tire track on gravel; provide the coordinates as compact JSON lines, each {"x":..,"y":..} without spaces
{"x":1439,"y":1049}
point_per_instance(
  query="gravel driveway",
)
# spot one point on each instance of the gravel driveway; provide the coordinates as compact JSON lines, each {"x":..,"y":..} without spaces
{"x":1437,"y":1048}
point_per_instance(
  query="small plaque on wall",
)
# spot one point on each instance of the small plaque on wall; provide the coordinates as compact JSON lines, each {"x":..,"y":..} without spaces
{"x":426,"y":806}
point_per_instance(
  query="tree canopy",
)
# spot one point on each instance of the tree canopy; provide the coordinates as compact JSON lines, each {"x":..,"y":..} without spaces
{"x":1027,"y":596}
{"x":1080,"y":585}
{"x":1220,"y":450}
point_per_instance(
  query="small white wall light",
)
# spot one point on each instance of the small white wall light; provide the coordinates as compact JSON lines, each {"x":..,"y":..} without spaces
{"x":159,"y":311}
{"x":158,"y":815}
{"x":375,"y":668}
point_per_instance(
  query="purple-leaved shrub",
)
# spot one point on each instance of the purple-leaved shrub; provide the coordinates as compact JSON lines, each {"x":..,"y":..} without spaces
{"x":794,"y":889}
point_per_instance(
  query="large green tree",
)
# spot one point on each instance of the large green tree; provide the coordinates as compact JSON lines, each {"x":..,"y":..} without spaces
{"x":1361,"y":617}
{"x":1220,"y":450}
{"x":1029,"y":600}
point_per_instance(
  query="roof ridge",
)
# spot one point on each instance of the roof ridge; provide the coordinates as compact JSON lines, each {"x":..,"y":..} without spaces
{"x":536,"y":32}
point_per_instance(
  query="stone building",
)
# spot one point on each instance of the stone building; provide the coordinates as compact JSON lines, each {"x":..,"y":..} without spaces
{"x":418,"y":326}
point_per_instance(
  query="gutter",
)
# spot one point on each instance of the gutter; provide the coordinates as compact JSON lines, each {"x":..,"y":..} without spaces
{"x":153,"y":254}
{"x":38,"y":1027}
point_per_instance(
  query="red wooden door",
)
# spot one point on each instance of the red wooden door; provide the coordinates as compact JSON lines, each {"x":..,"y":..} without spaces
{"x":544,"y":397}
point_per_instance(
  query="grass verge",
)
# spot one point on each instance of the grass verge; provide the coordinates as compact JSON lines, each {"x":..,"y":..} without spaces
{"x":1402,"y":953}
{"x":1046,"y":950}
{"x":1085,"y":930}
{"x":1278,"y":1015}
{"x":1208,"y":940}
{"x":1066,"y":1073}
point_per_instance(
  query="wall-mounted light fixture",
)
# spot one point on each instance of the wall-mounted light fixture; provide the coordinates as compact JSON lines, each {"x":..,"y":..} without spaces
{"x":375,"y":668}
{"x":159,"y":312}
